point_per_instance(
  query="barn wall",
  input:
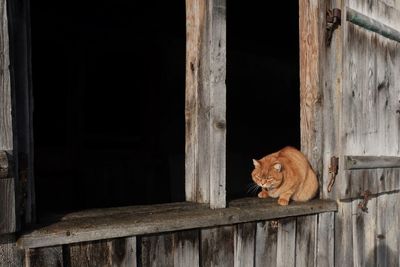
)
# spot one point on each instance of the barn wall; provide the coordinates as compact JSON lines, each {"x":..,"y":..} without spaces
{"x":284,"y":242}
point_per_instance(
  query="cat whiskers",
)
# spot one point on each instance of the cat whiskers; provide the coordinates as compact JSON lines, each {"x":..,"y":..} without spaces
{"x":252,"y":188}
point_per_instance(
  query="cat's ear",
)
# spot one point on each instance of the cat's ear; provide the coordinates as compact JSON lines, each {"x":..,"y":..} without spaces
{"x":278,"y":167}
{"x":256,"y":163}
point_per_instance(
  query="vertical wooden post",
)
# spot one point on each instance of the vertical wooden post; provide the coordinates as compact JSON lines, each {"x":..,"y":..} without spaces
{"x":205,"y":102}
{"x":7,"y":194}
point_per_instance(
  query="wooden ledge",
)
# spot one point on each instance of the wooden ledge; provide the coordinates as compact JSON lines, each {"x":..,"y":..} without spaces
{"x":139,"y":220}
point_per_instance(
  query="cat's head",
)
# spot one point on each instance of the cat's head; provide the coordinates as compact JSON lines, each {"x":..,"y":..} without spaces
{"x":268,"y":173}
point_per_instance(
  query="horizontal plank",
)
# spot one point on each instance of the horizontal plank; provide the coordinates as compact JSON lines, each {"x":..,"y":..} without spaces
{"x":372,"y":25}
{"x":371,"y":162}
{"x":156,"y":219}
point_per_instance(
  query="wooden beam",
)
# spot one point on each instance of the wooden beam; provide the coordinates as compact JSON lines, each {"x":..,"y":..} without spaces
{"x":6,"y":124}
{"x":156,"y":220}
{"x":373,"y":25}
{"x":205,"y":102}
{"x":370,"y":162}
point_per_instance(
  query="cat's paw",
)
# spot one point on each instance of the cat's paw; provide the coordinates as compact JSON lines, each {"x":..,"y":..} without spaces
{"x":283,"y":202}
{"x":263,"y":194}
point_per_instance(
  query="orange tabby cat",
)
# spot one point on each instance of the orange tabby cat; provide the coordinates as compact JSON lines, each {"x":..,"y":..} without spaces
{"x":286,"y":175}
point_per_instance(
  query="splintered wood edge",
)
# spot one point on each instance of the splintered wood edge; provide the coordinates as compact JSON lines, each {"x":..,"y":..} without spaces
{"x":158,"y":220}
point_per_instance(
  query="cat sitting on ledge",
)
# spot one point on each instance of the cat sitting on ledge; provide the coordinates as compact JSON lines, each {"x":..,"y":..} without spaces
{"x":285,"y":174}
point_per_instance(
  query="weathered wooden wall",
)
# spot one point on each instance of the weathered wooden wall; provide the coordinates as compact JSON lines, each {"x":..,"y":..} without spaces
{"x":284,"y":242}
{"x":369,"y":127}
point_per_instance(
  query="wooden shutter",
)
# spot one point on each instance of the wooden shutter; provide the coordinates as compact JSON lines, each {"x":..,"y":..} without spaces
{"x":357,"y":119}
{"x":369,"y":100}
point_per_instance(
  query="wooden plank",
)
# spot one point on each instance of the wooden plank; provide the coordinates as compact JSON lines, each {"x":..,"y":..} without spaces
{"x":87,"y":254}
{"x":7,"y":195}
{"x":266,"y":243}
{"x":306,"y":240}
{"x":245,"y":237}
{"x":205,"y":102}
{"x":387,"y":237}
{"x":157,"y":250}
{"x":21,"y":82}
{"x":310,"y":80}
{"x":6,"y":124}
{"x":286,"y":243}
{"x":10,"y":254}
{"x":123,"y":252}
{"x":45,"y":257}
{"x":326,"y":238}
{"x":157,"y":220}
{"x":117,"y":252}
{"x":372,"y":25}
{"x":171,"y":249}
{"x":331,"y":84}
{"x":217,"y":246}
{"x":217,"y":26}
{"x":376,"y":181}
{"x":364,"y":233}
{"x":371,"y":162}
{"x":197,"y":176}
{"x":187,"y":248}
{"x":7,"y":206}
{"x":343,"y":235}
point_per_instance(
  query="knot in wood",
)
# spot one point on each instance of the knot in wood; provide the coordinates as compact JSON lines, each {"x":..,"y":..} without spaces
{"x":220,"y":125}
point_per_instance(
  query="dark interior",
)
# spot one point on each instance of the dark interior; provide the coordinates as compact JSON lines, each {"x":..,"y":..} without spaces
{"x":263,"y":87}
{"x":109,"y":80}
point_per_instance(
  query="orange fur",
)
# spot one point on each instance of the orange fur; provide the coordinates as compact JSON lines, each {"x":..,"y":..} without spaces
{"x":285,"y":175}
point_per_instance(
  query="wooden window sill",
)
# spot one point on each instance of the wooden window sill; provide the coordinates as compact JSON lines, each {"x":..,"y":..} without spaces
{"x":139,"y":220}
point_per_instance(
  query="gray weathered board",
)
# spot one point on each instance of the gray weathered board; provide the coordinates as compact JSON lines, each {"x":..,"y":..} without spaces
{"x":162,"y":218}
{"x":283,"y":242}
{"x":366,"y":133}
{"x":205,"y":103}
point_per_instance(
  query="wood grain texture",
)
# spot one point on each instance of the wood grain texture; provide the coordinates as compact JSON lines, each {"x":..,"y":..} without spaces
{"x":157,"y":250}
{"x":157,"y":220}
{"x":205,"y":103}
{"x":286,"y":243}
{"x":217,"y":246}
{"x":343,"y":235}
{"x":364,"y":233}
{"x":6,"y":125}
{"x":245,"y":237}
{"x":217,"y":25}
{"x":371,"y":162}
{"x":7,"y":195}
{"x":197,"y":176}
{"x":370,"y":78}
{"x":7,"y":206}
{"x":45,"y":257}
{"x":171,"y":249}
{"x":326,"y":239}
{"x":10,"y":254}
{"x":266,"y":243}
{"x":116,"y":252}
{"x":306,"y":240}
{"x":387,"y":225}
{"x":372,"y":25}
{"x":187,"y":248}
{"x":331,"y":68}
{"x":310,"y":81}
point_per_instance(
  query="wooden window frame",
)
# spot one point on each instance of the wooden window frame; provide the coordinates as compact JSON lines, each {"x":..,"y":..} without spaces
{"x":205,"y":148}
